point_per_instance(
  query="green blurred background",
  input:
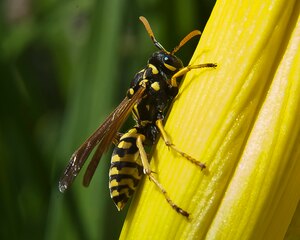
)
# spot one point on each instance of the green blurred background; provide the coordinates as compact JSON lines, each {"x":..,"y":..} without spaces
{"x":64,"y":65}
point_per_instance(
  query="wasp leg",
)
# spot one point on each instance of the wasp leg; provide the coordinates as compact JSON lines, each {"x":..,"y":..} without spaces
{"x":168,"y":142}
{"x":188,"y":68}
{"x":117,"y":137}
{"x":147,"y":170}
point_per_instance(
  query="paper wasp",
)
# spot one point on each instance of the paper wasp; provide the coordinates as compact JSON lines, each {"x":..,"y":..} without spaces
{"x":151,"y":92}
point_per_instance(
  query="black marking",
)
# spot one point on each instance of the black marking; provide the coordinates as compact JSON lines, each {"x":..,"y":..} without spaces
{"x":121,"y":152}
{"x":122,"y":198}
{"x":123,"y":164}
{"x":119,"y":188}
{"x":120,"y":177}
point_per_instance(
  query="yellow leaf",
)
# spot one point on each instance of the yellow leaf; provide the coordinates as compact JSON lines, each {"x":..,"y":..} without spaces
{"x":242,"y":121}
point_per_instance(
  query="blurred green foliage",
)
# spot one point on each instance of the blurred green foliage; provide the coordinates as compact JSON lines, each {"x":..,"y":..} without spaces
{"x":64,"y":65}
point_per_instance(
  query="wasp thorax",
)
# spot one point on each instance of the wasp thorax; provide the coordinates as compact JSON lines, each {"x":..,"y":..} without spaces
{"x":166,"y":62}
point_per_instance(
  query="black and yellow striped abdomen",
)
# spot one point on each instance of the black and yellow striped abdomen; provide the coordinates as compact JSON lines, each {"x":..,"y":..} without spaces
{"x":126,"y":169}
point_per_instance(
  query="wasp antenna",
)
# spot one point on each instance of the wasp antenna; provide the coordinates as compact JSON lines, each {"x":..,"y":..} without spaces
{"x":151,"y":34}
{"x":185,"y":40}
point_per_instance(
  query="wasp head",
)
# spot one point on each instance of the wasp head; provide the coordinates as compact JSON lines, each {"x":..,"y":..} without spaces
{"x":166,"y":63}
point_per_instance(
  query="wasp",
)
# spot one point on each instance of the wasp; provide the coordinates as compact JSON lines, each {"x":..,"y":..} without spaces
{"x":149,"y":96}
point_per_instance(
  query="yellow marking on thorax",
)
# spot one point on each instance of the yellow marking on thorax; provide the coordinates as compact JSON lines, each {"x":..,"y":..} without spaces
{"x":153,"y":68}
{"x":143,"y":82}
{"x":155,"y":86}
{"x":131,"y":91}
{"x":145,"y":122}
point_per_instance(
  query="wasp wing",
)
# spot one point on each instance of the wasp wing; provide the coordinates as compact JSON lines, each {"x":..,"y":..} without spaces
{"x":110,"y":137}
{"x":103,"y":136}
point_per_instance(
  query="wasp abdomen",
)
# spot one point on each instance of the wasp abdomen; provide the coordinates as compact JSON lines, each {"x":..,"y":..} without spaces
{"x":126,"y":170}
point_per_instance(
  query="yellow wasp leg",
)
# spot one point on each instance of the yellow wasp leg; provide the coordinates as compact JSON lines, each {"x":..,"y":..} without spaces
{"x":116,"y":139}
{"x":168,"y":142}
{"x":147,"y":170}
{"x":188,"y":68}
